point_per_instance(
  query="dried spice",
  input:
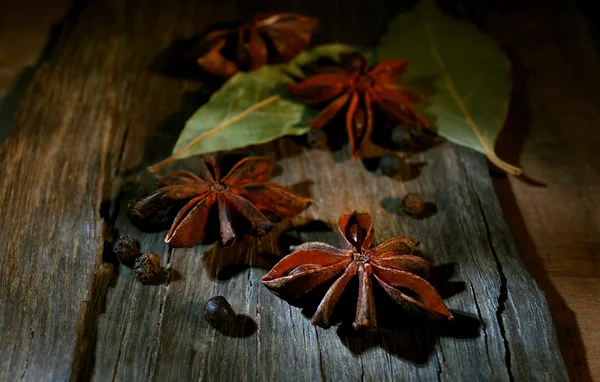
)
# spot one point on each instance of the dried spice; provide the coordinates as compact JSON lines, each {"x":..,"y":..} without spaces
{"x":390,"y":164}
{"x":316,"y":139}
{"x":362,"y":92}
{"x":401,"y":136}
{"x":413,"y":204}
{"x":268,"y":38}
{"x":127,"y":248}
{"x":218,"y":312}
{"x":147,"y":268}
{"x":391,"y":264}
{"x":244,"y":191}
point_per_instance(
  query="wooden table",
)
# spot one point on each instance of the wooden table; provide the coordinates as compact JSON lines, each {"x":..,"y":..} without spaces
{"x":95,"y":94}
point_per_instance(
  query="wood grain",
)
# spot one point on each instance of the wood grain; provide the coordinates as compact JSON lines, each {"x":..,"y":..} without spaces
{"x":553,"y":130}
{"x":98,"y":97}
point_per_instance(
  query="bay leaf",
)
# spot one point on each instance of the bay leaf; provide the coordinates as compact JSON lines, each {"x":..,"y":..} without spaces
{"x":461,"y":71}
{"x":251,"y":108}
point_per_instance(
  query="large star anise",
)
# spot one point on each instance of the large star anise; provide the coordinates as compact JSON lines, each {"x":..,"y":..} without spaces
{"x":243,"y":191}
{"x":362,"y":92}
{"x":391,"y":264}
{"x":268,"y":38}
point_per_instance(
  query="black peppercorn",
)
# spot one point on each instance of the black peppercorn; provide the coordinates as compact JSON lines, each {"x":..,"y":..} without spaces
{"x":316,"y":138}
{"x":413,"y":204}
{"x":401,"y":136}
{"x":390,"y":164}
{"x":147,"y":268}
{"x":218,"y":312}
{"x":127,"y":249}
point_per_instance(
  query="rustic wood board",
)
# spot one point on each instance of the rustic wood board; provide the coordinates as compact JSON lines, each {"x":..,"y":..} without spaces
{"x":95,"y":115}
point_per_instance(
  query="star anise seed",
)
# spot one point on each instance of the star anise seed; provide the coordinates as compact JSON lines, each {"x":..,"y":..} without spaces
{"x":392,"y":264}
{"x":362,"y":92}
{"x":268,"y":38}
{"x":243,"y":190}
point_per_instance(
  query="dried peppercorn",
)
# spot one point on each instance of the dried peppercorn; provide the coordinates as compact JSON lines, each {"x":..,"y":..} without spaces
{"x":413,"y":204}
{"x":127,"y":248}
{"x":218,"y":312}
{"x":316,"y":138}
{"x":147,"y":268}
{"x":401,"y":136}
{"x":390,"y":164}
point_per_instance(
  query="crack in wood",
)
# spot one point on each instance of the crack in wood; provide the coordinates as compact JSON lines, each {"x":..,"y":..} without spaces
{"x":440,"y":368}
{"x":83,"y":359}
{"x":503,"y":295}
{"x":321,"y":368}
{"x":503,"y":292}
{"x":161,"y":316}
{"x":250,"y":283}
{"x":118,"y":358}
{"x":362,"y":370}
{"x":483,"y":325}
{"x":108,"y":212}
{"x":26,"y":362}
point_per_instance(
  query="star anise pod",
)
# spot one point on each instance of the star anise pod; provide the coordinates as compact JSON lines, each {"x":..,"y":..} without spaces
{"x":243,"y":191}
{"x":362,"y":92}
{"x":391,"y":264}
{"x":268,"y":38}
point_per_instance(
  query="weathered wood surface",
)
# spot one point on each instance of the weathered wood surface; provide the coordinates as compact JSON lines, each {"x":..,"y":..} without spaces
{"x":553,"y":130}
{"x":95,"y":116}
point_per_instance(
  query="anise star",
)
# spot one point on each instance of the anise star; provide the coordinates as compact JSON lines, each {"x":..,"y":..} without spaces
{"x":243,"y":191}
{"x":267,"y":38}
{"x":362,"y":92}
{"x":391,"y":264}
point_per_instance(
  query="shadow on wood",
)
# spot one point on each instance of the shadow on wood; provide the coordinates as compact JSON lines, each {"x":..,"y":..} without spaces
{"x":410,"y":338}
{"x":567,"y":328}
{"x":406,"y":334}
{"x":510,"y":146}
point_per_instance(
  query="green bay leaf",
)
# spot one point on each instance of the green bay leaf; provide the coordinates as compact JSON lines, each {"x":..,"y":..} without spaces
{"x":461,"y":71}
{"x":251,"y":108}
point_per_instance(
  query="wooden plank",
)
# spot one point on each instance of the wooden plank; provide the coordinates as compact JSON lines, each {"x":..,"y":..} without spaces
{"x":116,"y":117}
{"x":553,"y":130}
{"x":54,"y":169}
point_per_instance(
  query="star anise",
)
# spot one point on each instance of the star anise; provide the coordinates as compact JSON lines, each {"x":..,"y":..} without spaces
{"x":268,"y":38}
{"x":391,"y":264}
{"x":243,"y":191}
{"x":362,"y":92}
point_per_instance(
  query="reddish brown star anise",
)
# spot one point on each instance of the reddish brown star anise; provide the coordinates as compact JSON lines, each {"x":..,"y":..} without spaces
{"x":392,"y":264}
{"x":243,"y":191}
{"x":363,"y":91}
{"x":267,"y":38}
